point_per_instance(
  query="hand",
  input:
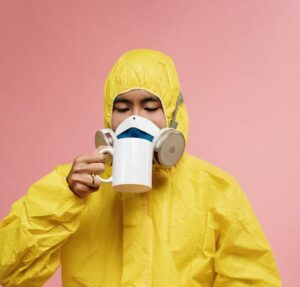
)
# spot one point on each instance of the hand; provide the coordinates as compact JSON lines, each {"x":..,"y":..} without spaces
{"x":80,"y":178}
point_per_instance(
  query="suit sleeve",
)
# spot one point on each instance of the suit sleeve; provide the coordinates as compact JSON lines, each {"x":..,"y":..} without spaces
{"x":243,"y":257}
{"x":35,"y":229}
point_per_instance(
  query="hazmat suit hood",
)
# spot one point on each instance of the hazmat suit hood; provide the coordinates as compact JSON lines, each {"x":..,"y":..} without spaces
{"x":151,"y":71}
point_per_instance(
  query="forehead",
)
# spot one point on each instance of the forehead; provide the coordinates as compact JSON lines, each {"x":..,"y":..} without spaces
{"x":136,"y":96}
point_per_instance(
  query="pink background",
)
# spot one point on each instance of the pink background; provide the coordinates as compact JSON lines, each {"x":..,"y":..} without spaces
{"x":239,"y":65}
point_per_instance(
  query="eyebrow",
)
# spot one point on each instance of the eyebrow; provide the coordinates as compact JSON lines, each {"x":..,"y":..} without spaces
{"x":151,"y":99}
{"x":145,"y":100}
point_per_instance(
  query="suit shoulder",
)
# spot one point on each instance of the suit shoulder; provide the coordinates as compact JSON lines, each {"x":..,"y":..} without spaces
{"x":210,"y":171}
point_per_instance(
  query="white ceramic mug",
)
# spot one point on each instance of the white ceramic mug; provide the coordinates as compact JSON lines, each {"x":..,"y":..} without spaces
{"x":132,"y":165}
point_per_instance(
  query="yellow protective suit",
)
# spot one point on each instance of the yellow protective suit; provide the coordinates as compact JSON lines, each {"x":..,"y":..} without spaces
{"x":195,"y":228}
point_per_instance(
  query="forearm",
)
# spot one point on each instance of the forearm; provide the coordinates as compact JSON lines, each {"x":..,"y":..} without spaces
{"x":38,"y":224}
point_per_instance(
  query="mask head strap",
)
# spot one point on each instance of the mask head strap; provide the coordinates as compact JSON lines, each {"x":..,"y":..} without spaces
{"x":174,"y":123}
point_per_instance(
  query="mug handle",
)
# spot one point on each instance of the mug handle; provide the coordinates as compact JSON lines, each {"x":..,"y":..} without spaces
{"x":109,"y":150}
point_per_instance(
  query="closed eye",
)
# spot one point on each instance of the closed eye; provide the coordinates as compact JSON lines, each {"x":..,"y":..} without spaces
{"x":151,"y":109}
{"x":121,"y":110}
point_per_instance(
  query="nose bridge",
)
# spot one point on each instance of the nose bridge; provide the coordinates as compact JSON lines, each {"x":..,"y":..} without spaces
{"x":136,"y":109}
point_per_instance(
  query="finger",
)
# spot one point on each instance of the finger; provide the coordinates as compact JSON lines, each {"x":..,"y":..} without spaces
{"x":100,"y":148}
{"x":108,"y":157}
{"x":89,"y":168}
{"x":82,"y":190}
{"x":90,"y":158}
{"x":87,"y":179}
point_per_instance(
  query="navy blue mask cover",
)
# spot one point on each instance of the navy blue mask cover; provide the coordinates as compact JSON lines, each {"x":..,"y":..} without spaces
{"x":135,"y":133}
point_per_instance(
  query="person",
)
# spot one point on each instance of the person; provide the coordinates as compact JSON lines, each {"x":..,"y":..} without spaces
{"x":194,"y":228}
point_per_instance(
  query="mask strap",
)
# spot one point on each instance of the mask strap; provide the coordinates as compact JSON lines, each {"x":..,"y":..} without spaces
{"x":173,"y":123}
